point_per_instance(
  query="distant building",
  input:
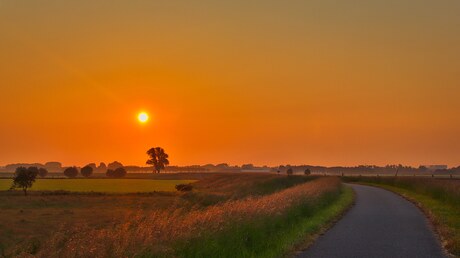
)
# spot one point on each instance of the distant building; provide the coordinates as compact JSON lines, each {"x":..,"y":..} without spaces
{"x":436,"y":167}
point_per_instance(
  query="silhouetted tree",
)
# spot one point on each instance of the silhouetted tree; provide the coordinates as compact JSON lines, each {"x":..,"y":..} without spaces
{"x":290,"y":171}
{"x":102,"y":167}
{"x":158,"y":159}
{"x":93,"y":166}
{"x":42,"y":172}
{"x":24,"y":178}
{"x":110,"y":173}
{"x":120,"y":172}
{"x":86,"y":171}
{"x":247,"y":166}
{"x":307,"y":171}
{"x":114,"y":165}
{"x":71,"y":172}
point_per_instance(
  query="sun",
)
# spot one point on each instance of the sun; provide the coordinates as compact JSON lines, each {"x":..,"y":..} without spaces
{"x":143,"y":117}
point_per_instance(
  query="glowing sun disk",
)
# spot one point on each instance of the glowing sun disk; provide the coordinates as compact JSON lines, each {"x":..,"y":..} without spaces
{"x":143,"y":117}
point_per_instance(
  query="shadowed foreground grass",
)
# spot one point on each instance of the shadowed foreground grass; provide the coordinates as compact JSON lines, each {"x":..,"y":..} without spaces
{"x":254,"y":226}
{"x":439,"y":198}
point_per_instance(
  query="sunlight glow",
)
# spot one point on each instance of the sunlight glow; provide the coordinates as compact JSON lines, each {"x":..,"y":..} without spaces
{"x":143,"y":117}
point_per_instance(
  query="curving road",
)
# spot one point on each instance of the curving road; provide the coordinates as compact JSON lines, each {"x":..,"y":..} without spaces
{"x":380,"y":224}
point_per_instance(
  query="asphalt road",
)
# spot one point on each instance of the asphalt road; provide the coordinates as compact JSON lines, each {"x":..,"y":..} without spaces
{"x":380,"y":224}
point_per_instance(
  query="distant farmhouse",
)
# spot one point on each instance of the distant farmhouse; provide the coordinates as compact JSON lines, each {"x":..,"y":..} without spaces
{"x":436,"y":167}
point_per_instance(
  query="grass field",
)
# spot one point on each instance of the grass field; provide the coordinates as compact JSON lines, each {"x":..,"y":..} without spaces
{"x":439,"y":198}
{"x":272,"y":212}
{"x":101,"y":185}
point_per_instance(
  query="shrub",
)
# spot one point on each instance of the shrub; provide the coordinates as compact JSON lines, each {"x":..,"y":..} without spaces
{"x":290,"y":171}
{"x":71,"y":172}
{"x":184,"y":187}
{"x":307,"y":172}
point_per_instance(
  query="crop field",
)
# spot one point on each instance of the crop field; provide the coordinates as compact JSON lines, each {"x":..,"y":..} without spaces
{"x":221,"y":214}
{"x":101,"y":185}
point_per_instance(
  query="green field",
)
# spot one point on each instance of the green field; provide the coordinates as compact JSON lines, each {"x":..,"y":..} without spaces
{"x":101,"y":185}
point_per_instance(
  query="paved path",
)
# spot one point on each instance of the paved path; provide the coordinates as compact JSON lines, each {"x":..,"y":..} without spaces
{"x":381,"y":224}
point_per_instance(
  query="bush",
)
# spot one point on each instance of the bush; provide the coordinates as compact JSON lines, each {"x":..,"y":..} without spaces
{"x":71,"y":172}
{"x":184,"y":187}
{"x":307,"y":172}
{"x":290,"y":171}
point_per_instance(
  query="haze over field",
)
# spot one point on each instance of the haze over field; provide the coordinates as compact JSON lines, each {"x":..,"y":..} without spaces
{"x":264,"y":82}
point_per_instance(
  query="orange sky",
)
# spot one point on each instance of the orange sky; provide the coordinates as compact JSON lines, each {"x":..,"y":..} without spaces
{"x":264,"y":82}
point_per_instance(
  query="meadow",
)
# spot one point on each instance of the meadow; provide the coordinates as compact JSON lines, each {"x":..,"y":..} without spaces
{"x":438,"y":198}
{"x":260,"y":215}
{"x":101,"y":185}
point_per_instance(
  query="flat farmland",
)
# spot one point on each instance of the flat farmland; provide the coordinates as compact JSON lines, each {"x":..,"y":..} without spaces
{"x":101,"y":185}
{"x":225,"y":210}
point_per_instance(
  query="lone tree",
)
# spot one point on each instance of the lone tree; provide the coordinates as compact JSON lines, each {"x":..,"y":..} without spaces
{"x":71,"y":172}
{"x":158,"y":159}
{"x":24,"y":178}
{"x":290,"y":172}
{"x":42,"y":172}
{"x":307,"y":171}
{"x":86,"y":171}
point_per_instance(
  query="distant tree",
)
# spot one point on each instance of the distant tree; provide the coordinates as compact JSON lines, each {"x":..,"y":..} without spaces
{"x":110,"y":173}
{"x":307,"y":171}
{"x":86,"y":171}
{"x":158,"y":159}
{"x":247,"y":166}
{"x":53,"y":166}
{"x":93,"y":166}
{"x":34,"y":170}
{"x":42,"y":172}
{"x":120,"y":172}
{"x":290,"y":171}
{"x":222,"y":166}
{"x":117,"y":173}
{"x":71,"y":172}
{"x":24,"y":178}
{"x":102,"y":167}
{"x":114,"y":165}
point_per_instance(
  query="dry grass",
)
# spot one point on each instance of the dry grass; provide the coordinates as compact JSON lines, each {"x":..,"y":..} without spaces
{"x":26,"y":222}
{"x":155,"y":232}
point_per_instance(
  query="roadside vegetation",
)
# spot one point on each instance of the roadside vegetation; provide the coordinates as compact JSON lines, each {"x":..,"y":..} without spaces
{"x":263,"y":215}
{"x":439,"y":198}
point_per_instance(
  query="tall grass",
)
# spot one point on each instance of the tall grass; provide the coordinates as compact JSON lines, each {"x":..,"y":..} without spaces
{"x":244,"y":228}
{"x":440,"y":199}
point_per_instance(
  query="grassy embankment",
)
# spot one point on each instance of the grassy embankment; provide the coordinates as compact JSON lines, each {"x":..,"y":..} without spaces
{"x":439,"y":198}
{"x":225,"y":216}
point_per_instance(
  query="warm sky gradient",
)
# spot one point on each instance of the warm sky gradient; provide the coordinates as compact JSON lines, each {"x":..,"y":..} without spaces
{"x":265,"y":82}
